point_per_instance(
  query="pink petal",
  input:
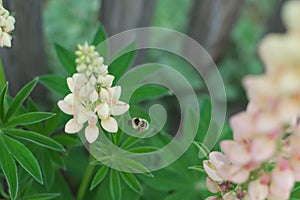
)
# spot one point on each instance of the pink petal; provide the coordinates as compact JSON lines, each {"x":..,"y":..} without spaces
{"x":91,"y":133}
{"x":119,"y":108}
{"x":257,"y":191}
{"x":211,"y":171}
{"x":213,"y":198}
{"x":236,"y":152}
{"x":212,"y":186}
{"x":262,"y":149}
{"x":72,"y":126}
{"x":241,"y":125}
{"x":218,"y":159}
{"x":282,"y":183}
{"x":110,"y":125}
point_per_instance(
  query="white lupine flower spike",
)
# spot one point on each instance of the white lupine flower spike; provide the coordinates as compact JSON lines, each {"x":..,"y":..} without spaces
{"x":92,"y":96}
{"x":7,"y":25}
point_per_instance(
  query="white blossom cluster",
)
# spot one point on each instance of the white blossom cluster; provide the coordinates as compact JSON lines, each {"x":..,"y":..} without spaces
{"x":92,"y":96}
{"x":7,"y":25}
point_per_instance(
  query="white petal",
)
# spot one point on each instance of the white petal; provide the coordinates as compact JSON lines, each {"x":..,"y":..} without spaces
{"x":72,"y":126}
{"x":103,"y":110}
{"x":119,"y":108}
{"x":115,"y":93}
{"x":82,"y":117}
{"x":110,"y":125}
{"x":91,"y":133}
{"x":108,"y":80}
{"x":104,"y":95}
{"x":93,"y":96}
{"x":71,"y":84}
{"x":6,"y":39}
{"x":65,"y":107}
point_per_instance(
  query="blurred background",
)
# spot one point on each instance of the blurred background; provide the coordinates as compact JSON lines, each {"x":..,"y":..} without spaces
{"x":228,"y":29}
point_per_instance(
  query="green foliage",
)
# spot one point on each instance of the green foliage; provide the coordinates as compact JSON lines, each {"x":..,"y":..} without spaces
{"x":15,"y":121}
{"x":67,"y":58}
{"x":122,"y":60}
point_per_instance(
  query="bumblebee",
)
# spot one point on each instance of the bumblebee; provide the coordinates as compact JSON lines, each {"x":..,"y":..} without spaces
{"x":139,"y":124}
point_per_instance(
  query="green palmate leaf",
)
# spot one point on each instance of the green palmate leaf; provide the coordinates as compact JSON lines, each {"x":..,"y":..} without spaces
{"x":25,"y":158}
{"x":67,"y":58}
{"x":67,"y":140}
{"x":57,"y":159}
{"x":149,"y":92}
{"x":100,"y":175}
{"x":29,"y":118}
{"x":132,"y":165}
{"x":115,"y":185}
{"x":197,"y":168}
{"x":202,"y":148}
{"x":36,"y":138}
{"x":45,"y":196}
{"x":132,"y":182}
{"x":9,"y":168}
{"x":20,"y":98}
{"x":55,"y":83}
{"x":100,"y":36}
{"x":143,"y":149}
{"x":2,"y":101}
{"x":130,"y":141}
{"x":121,"y":61}
{"x":47,"y":169}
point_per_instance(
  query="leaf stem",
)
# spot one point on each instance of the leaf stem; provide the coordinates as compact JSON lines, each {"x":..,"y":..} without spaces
{"x":2,"y":75}
{"x":85,"y":181}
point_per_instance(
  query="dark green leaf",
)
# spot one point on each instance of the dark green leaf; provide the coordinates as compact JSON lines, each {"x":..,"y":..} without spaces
{"x":9,"y":169}
{"x":55,"y":83}
{"x":67,"y":58}
{"x":67,"y":140}
{"x":20,"y":98}
{"x":36,"y":138}
{"x":29,"y":118}
{"x":2,"y":101}
{"x":132,"y":182}
{"x":100,"y":175}
{"x":46,"y":196}
{"x":115,"y":185}
{"x":100,"y":36}
{"x":149,"y":92}
{"x":25,"y":158}
{"x":48,"y":169}
{"x":122,"y":61}
{"x":57,"y":159}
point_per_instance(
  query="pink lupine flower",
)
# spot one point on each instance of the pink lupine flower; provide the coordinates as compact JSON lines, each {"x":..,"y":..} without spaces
{"x":213,"y":198}
{"x":230,"y":196}
{"x":257,"y":191}
{"x":282,"y":181}
{"x":212,"y":186}
{"x":211,"y":166}
{"x":291,"y":16}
